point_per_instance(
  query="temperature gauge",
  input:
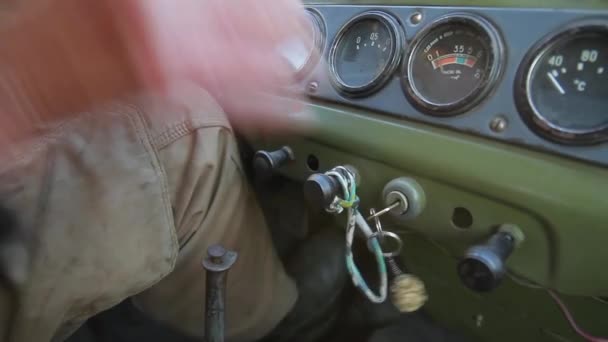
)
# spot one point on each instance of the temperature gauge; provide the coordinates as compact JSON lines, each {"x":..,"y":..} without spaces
{"x":452,"y":64}
{"x":563,"y":91}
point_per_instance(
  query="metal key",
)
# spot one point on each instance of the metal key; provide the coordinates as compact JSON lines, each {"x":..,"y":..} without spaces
{"x":399,"y":203}
{"x":374,"y":214}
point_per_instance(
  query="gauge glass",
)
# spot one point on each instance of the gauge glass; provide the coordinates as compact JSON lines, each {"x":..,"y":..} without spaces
{"x":451,"y":64}
{"x":567,"y":85}
{"x":365,"y":53}
{"x":305,"y":56}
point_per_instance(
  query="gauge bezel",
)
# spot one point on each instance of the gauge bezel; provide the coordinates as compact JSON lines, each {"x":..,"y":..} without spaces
{"x":523,"y":100}
{"x":398,"y":37}
{"x":319,"y":38}
{"x":487,"y":85}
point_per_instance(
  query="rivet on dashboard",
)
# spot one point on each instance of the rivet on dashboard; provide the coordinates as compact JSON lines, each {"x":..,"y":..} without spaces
{"x":499,"y":124}
{"x":312,"y":87}
{"x":416,"y":18}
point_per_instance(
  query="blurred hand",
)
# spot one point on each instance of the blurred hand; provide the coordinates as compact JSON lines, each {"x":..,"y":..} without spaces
{"x":234,"y":48}
{"x":61,"y":56}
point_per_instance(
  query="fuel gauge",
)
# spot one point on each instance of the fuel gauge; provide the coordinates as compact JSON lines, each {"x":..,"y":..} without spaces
{"x":365,"y":53}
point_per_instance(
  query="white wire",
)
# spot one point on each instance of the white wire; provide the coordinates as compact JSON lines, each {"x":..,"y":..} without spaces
{"x":365,"y":228}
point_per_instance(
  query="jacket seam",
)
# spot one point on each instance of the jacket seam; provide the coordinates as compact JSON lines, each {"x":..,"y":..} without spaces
{"x":182,"y":129}
{"x":146,"y":140}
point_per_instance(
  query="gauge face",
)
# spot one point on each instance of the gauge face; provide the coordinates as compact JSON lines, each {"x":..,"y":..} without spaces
{"x":365,"y":53}
{"x":566,"y":86}
{"x":452,"y":64}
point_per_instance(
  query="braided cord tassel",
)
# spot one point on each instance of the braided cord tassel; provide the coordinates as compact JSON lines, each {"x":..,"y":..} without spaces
{"x":355,"y":274}
{"x":350,"y":202}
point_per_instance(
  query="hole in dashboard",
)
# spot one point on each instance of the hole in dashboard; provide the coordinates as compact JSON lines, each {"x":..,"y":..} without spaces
{"x":462,"y":218}
{"x":312,"y":162}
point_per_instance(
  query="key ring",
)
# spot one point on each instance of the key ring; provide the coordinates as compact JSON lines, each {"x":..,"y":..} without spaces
{"x":380,"y":236}
{"x":376,"y":217}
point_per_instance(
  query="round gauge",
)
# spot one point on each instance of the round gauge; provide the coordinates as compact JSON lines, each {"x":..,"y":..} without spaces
{"x":365,"y":53}
{"x":452,"y":64}
{"x":306,"y":57}
{"x":562,"y":91}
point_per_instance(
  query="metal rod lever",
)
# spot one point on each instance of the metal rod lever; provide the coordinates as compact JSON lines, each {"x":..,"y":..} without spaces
{"x":217,"y":264}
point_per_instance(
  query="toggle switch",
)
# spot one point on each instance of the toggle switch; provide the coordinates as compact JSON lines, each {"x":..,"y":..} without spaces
{"x":320,"y":190}
{"x":484,"y":265}
{"x":266,"y":163}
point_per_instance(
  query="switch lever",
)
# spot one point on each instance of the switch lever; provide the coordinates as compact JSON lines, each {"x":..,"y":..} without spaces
{"x":266,"y":163}
{"x":484,"y":265}
{"x":217,"y":264}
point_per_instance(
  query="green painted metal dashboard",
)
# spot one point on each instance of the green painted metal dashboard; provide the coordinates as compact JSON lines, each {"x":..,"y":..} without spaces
{"x":559,"y":203}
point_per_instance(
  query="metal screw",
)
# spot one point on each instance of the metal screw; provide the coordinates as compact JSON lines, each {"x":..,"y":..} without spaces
{"x":478,"y":320}
{"x":393,"y":267}
{"x":416,"y":18}
{"x":313,"y":86}
{"x":216,"y":253}
{"x":498,"y":124}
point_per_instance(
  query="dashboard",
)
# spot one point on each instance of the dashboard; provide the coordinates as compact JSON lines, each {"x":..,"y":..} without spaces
{"x":497,"y":109}
{"x":536,"y":78}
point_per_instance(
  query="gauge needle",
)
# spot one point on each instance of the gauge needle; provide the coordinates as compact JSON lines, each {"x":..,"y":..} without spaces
{"x":556,"y":83}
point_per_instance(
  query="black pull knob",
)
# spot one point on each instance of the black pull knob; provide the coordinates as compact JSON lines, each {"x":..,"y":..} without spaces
{"x":265,"y":163}
{"x":484,"y":265}
{"x":320,"y":190}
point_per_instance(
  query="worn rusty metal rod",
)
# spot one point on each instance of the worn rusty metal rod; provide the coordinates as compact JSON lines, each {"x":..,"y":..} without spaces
{"x":217,"y":264}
